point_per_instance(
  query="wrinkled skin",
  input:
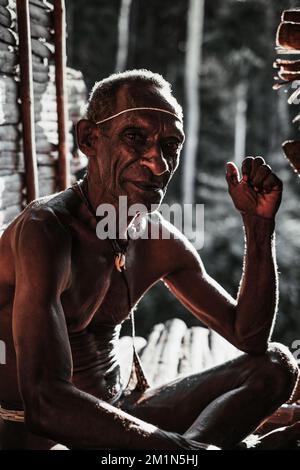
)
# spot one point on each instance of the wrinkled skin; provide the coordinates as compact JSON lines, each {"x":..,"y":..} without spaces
{"x":58,"y":280}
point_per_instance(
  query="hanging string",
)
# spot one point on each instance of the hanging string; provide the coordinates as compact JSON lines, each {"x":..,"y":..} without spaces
{"x":137,"y":375}
{"x":142,"y":383}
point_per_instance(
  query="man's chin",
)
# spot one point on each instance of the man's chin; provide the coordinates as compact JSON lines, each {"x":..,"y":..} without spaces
{"x":150,"y":201}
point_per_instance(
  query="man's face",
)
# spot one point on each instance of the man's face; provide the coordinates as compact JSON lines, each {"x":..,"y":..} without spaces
{"x":139,"y":153}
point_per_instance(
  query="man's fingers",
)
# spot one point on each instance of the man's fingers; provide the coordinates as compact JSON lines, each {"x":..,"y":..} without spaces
{"x":256,"y":163}
{"x":261,"y":174}
{"x":232,"y":174}
{"x":271,"y":182}
{"x":246,"y":167}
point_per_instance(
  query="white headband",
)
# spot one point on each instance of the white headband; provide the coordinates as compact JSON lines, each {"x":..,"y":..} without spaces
{"x":139,"y":109}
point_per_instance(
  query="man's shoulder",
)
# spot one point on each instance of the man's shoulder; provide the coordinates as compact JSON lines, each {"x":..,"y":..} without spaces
{"x":162,"y":228}
{"x":41,"y":245}
{"x":49,"y":207}
{"x":43,"y":219}
{"x":162,"y":234}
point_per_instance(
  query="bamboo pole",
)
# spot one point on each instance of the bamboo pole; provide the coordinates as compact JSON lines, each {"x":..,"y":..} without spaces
{"x":60,"y":83}
{"x":167,"y":367}
{"x":151,"y":353}
{"x":27,"y":101}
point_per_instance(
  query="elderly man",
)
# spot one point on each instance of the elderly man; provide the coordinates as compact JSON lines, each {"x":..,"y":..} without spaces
{"x":64,"y":294}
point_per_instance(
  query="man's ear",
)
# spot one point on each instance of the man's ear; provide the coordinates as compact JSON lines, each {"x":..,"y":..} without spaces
{"x":87,"y":137}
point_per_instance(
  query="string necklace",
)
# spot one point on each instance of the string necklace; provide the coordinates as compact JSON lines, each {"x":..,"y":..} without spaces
{"x":137,"y":376}
{"x":119,"y":251}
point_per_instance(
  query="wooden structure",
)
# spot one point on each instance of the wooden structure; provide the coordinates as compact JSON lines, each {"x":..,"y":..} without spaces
{"x":27,"y":100}
{"x":61,"y":92}
{"x":288,"y":45}
{"x":172,"y":349}
{"x":15,"y":155}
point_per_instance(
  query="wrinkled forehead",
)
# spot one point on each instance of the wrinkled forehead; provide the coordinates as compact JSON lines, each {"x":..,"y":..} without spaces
{"x":137,"y":95}
{"x":147,"y":107}
{"x":151,"y":122}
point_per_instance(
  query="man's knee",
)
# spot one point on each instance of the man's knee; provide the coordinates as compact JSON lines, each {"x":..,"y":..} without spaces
{"x":278,"y":372}
{"x":285,"y":365}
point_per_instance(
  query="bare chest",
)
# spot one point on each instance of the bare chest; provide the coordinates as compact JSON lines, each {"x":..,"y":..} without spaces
{"x":98,"y":289}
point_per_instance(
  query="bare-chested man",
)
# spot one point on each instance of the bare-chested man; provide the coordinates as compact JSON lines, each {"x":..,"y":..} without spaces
{"x":62,"y":299}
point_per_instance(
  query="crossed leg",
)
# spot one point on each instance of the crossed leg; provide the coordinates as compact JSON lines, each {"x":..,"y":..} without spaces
{"x":223,"y":405}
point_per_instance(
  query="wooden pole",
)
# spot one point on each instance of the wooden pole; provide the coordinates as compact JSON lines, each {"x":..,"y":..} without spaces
{"x":27,"y":101}
{"x":61,"y":94}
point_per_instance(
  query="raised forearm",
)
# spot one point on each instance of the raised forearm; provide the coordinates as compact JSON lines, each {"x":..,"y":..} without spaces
{"x":257,"y":298}
{"x":257,"y":195}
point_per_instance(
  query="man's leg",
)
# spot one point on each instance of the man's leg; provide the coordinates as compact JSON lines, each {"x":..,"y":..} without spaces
{"x":15,"y":436}
{"x":223,"y":405}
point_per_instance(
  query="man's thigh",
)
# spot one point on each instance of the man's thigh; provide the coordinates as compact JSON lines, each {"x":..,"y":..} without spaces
{"x":175,"y":406}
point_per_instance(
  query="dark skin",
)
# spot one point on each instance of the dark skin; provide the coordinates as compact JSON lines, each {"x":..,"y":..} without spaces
{"x":58,"y":279}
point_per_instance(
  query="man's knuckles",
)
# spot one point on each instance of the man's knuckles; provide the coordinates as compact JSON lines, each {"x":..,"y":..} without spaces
{"x":256,"y":164}
{"x":259,"y":176}
{"x":261,"y":173}
{"x":272,"y":182}
{"x":251,"y":164}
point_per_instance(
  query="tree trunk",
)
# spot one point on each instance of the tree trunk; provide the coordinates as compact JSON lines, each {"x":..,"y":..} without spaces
{"x":123,"y":35}
{"x":240,"y":133}
{"x":192,"y":87}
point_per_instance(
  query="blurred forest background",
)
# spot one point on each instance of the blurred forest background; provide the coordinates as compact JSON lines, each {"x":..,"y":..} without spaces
{"x":222,"y":74}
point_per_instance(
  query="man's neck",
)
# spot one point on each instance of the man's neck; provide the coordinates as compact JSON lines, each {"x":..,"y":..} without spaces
{"x":98,"y":195}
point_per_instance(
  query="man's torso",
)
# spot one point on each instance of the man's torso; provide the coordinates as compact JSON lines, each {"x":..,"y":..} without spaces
{"x":95,"y":301}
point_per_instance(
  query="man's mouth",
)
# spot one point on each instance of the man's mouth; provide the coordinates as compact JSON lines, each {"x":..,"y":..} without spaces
{"x":147,"y":186}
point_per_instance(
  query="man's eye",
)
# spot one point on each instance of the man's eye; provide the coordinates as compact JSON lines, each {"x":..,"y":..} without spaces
{"x":134,"y":137}
{"x":172,"y":146}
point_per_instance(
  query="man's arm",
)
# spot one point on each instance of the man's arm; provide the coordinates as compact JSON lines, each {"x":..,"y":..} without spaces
{"x":247,"y":321}
{"x":54,"y":407}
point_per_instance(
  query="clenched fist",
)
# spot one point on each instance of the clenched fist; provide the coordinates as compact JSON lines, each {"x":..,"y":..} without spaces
{"x":258,"y":192}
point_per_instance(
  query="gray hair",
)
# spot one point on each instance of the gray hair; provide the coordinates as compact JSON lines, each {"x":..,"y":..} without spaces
{"x":103,"y":97}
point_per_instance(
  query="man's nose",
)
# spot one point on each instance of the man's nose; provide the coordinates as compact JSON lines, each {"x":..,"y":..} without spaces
{"x":154,"y":159}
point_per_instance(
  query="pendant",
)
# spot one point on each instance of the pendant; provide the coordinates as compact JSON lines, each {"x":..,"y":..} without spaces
{"x":120,"y":261}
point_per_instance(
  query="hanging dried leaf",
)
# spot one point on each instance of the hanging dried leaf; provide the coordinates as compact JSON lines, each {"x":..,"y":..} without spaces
{"x":292,"y":151}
